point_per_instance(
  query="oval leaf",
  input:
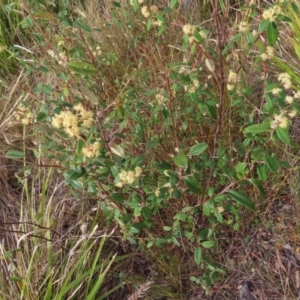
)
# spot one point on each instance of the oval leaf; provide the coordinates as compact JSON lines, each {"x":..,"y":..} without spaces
{"x":90,"y":95}
{"x":262,"y":173}
{"x":41,"y":116}
{"x":118,"y":150}
{"x":181,"y":160}
{"x":198,"y":149}
{"x":263,"y":25}
{"x":15,"y":154}
{"x":283,"y":135}
{"x":260,"y":187}
{"x":81,"y":67}
{"x":258,"y":128}
{"x":45,"y":16}
{"x":271,"y":163}
{"x":240,"y":167}
{"x":272,"y":33}
{"x":208,"y":244}
{"x":210,"y":65}
{"x":173,"y":3}
{"x":192,"y":185}
{"x":242,"y":199}
{"x":198,"y":255}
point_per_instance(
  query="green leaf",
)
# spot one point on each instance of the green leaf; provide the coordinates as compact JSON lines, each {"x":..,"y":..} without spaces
{"x":15,"y":154}
{"x":240,"y":167}
{"x":176,"y":194}
{"x":79,"y":147}
{"x":76,"y":184}
{"x":270,"y":87}
{"x":167,"y":228}
{"x":173,"y":3}
{"x":258,"y":128}
{"x":272,"y":33}
{"x":262,"y":173}
{"x":16,"y":279}
{"x":198,"y":255}
{"x":161,"y":29}
{"x":181,"y":160}
{"x":150,"y":244}
{"x":297,"y":48}
{"x":181,"y":216}
{"x":271,"y":163}
{"x":192,"y":185}
{"x":208,"y":244}
{"x":83,"y":26}
{"x":173,"y":180}
{"x":256,"y":183}
{"x":263,"y":25}
{"x":284,"y":164}
{"x":219,"y":216}
{"x":198,"y":149}
{"x":79,"y":172}
{"x":103,"y":170}
{"x":283,"y":135}
{"x":175,"y":241}
{"x":242,"y":199}
{"x":147,"y":212}
{"x":45,"y":16}
{"x":81,"y":67}
{"x":40,"y":116}
{"x":250,"y":37}
{"x":152,"y":144}
{"x":207,"y":208}
{"x":203,"y":234}
{"x":295,"y":8}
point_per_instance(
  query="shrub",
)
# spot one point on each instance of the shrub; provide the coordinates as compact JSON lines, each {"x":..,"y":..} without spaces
{"x":174,"y":127}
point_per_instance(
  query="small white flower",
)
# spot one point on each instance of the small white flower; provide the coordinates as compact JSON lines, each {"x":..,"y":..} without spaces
{"x":289,"y":99}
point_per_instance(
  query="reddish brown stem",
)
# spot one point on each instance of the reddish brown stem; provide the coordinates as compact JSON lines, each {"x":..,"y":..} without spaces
{"x":221,"y":75}
{"x":171,"y":107}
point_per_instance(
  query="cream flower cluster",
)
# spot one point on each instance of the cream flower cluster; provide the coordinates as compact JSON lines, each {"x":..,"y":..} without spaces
{"x":232,"y":80}
{"x":147,"y":11}
{"x":97,"y":51}
{"x":283,"y":119}
{"x":271,"y":13}
{"x":193,"y":87}
{"x":62,"y":58}
{"x":86,"y":116}
{"x":269,"y":54}
{"x":280,"y":120}
{"x":91,"y":150}
{"x":157,"y":23}
{"x":70,"y":122}
{"x":160,"y":98}
{"x":138,"y":1}
{"x":24,"y":115}
{"x":128,"y":177}
{"x":276,"y":91}
{"x":61,"y":43}
{"x":285,"y":80}
{"x":190,"y":30}
{"x":243,"y":27}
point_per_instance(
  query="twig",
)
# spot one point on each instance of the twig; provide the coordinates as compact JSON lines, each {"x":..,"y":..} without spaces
{"x":222,"y":82}
{"x":171,"y":107}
